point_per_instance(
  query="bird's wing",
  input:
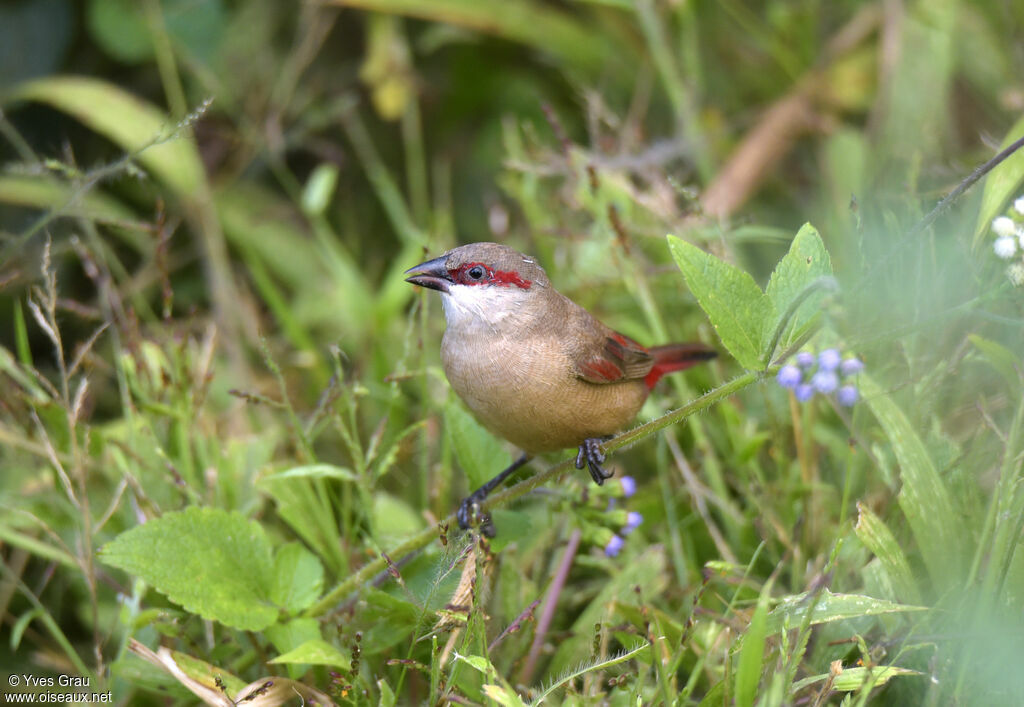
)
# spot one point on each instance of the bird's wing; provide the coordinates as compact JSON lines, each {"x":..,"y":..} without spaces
{"x":620,"y":358}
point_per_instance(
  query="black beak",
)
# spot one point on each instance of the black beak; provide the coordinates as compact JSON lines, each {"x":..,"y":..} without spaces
{"x":432,"y":274}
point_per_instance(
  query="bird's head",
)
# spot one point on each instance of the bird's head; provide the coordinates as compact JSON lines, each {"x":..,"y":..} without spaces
{"x":483,"y":281}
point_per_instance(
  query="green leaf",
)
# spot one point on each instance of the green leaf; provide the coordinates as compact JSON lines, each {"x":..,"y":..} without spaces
{"x":315,"y":652}
{"x":138,"y":127}
{"x":857,"y":678}
{"x":480,"y":454}
{"x":503,"y":695}
{"x":535,"y":24}
{"x":394,"y":517}
{"x":829,"y":607}
{"x":315,"y":471}
{"x":387,"y":695}
{"x":120,"y":28}
{"x":289,"y":636}
{"x":751,"y":660}
{"x":924,"y":498}
{"x":797,"y":287}
{"x":1006,"y":362}
{"x":732,"y":300}
{"x":298,"y":578}
{"x":1001,"y":184}
{"x":877,"y":537}
{"x":213,"y":563}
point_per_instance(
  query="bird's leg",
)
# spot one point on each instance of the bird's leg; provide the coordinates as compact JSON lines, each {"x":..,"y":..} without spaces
{"x":590,"y":454}
{"x":468,"y":506}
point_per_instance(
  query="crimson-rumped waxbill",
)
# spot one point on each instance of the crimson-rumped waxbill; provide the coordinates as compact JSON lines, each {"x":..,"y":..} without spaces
{"x":533,"y":366}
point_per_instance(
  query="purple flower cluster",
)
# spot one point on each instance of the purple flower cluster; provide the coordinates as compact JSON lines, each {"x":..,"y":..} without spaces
{"x":633,"y":519}
{"x":827,"y":373}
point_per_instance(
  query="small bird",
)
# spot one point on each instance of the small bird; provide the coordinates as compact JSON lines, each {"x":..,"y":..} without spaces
{"x":533,"y":366}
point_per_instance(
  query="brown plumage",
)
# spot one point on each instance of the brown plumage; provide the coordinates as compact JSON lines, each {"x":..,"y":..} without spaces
{"x":532,"y":365}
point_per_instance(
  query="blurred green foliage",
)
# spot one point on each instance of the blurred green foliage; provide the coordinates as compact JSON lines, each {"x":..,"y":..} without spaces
{"x":205,"y":211}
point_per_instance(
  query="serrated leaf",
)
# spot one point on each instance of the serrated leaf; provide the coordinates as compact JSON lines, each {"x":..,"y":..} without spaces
{"x":924,"y":498}
{"x":315,"y":652}
{"x":729,"y":296}
{"x":479,"y":453}
{"x":1001,"y":184}
{"x":298,"y":578}
{"x":214,"y":563}
{"x":829,"y":607}
{"x":877,"y":537}
{"x":796,"y":289}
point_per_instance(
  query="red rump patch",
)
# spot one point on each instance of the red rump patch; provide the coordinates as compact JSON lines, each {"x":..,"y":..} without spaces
{"x":676,"y":357}
{"x":501,"y":278}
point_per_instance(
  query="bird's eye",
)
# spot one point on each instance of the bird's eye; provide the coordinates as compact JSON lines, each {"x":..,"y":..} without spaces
{"x":476,"y":272}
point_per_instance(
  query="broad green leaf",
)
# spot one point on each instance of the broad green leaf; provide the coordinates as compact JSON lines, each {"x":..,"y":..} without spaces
{"x":734,"y":303}
{"x":797,"y":288}
{"x":298,"y":578}
{"x":751,"y":658}
{"x":138,"y":127}
{"x":1003,"y":183}
{"x":315,"y":652}
{"x":481,"y":456}
{"x":212,"y":562}
{"x":924,"y":498}
{"x":829,"y":607}
{"x":877,"y":537}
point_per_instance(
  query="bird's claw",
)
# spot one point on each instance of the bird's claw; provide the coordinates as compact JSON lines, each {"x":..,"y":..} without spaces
{"x":469,"y":514}
{"x":590,"y":454}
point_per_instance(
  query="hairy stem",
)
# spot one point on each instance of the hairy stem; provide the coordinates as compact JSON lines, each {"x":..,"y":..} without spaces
{"x":427,"y":535}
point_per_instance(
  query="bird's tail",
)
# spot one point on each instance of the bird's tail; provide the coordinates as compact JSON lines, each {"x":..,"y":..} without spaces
{"x":676,"y":357}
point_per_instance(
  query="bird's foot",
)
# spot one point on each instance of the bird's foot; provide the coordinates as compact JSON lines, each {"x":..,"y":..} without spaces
{"x":590,"y":454}
{"x":469,"y":514}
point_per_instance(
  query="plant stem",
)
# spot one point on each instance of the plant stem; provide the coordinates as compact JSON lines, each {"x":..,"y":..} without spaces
{"x":427,"y":535}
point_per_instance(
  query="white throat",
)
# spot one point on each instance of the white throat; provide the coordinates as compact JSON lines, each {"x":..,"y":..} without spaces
{"x":468,"y":307}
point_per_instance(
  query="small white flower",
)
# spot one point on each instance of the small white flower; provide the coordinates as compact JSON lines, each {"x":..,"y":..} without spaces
{"x":1004,"y":226}
{"x":1020,"y":236}
{"x":1018,"y":205}
{"x":1005,"y":247}
{"x":1016,"y":274}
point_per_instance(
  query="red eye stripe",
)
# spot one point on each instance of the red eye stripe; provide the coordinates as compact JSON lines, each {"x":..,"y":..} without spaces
{"x":501,"y":278}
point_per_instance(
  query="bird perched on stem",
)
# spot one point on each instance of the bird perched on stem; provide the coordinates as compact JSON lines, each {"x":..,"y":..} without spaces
{"x":533,"y":366}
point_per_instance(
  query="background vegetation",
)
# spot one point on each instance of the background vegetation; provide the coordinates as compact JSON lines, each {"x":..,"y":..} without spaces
{"x":211,"y":368}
